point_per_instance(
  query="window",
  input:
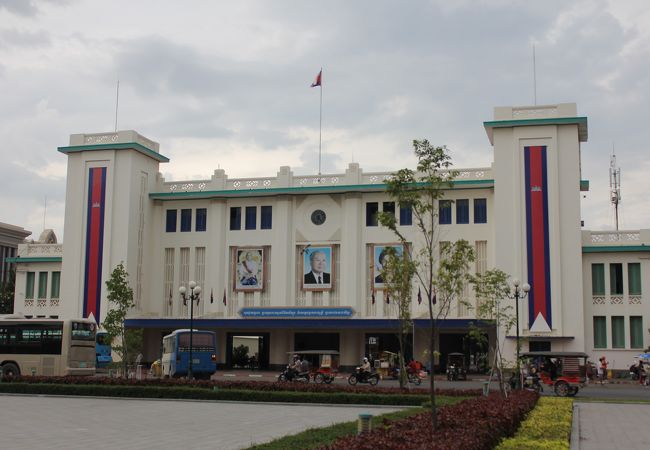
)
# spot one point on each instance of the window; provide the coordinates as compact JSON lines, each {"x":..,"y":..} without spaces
{"x":405,"y":215}
{"x":598,"y":279}
{"x":186,"y":220}
{"x":636,"y":332}
{"x":462,"y":211}
{"x":372,"y":208}
{"x":480,"y":210}
{"x":600,"y":332}
{"x":634,"y":278}
{"x":266,"y":221}
{"x":251,"y":217}
{"x":616,"y":279}
{"x":201,"y":219}
{"x":29,"y":285}
{"x":42,"y":284}
{"x":235,"y":218}
{"x":618,"y":332}
{"x":56,"y":285}
{"x":389,"y":208}
{"x":170,"y":226}
{"x":444,"y":212}
{"x":539,"y":346}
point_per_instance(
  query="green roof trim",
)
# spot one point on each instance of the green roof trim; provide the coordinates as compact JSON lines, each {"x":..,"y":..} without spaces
{"x":580,"y":121}
{"x":616,"y":248}
{"x":121,"y":146}
{"x":466,"y":184}
{"x":29,"y":259}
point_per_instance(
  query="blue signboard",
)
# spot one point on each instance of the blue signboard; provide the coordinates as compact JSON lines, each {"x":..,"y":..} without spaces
{"x":296,"y":313}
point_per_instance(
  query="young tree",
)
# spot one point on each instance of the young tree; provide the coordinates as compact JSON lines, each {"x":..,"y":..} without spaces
{"x":491,"y":288}
{"x":439,"y":271}
{"x":120,"y":298}
{"x":7,"y":289}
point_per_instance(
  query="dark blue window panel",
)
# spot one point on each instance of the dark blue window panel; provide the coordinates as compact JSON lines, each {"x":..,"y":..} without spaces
{"x":251,"y":217}
{"x":389,"y":207}
{"x":186,"y":220}
{"x":201,"y":219}
{"x":480,"y":210}
{"x":444,"y":212}
{"x":266,"y":221}
{"x":405,"y":215}
{"x":235,"y":218}
{"x":372,"y":208}
{"x":170,"y":224}
{"x":462,"y":211}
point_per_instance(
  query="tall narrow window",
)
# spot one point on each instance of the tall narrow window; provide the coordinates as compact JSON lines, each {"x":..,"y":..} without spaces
{"x":634,"y":278}
{"x":235,"y":218}
{"x":251,"y":217}
{"x":42,"y":284}
{"x":598,"y":279}
{"x":201,"y":219}
{"x":55,"y":287}
{"x":186,"y":220}
{"x":636,"y":331}
{"x":600,"y":332}
{"x":405,"y":215}
{"x":266,"y":221}
{"x":618,"y":332}
{"x":480,"y":210}
{"x":170,"y":224}
{"x":444,"y":212}
{"x":616,"y":279}
{"x":462,"y":211}
{"x":372,"y":208}
{"x":29,"y":285}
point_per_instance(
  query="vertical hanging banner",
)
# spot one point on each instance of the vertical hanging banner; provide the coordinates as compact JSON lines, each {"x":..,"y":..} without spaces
{"x":537,"y":239}
{"x":94,"y":242}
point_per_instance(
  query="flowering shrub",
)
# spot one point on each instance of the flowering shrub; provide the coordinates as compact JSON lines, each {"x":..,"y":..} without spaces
{"x":246,"y":385}
{"x":478,"y":423}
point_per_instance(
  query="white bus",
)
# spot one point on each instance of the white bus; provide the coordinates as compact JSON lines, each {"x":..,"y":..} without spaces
{"x":51,"y":347}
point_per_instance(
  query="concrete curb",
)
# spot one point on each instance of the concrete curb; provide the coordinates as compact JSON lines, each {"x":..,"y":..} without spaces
{"x":575,"y":428}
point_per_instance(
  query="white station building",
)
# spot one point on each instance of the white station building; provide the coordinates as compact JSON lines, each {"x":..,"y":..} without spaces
{"x":248,"y":243}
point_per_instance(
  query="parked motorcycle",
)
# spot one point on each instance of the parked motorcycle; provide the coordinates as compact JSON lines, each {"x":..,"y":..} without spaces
{"x":290,"y":375}
{"x":363,"y":377}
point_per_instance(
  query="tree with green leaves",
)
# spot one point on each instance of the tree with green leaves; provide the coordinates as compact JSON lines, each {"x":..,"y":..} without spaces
{"x":125,"y":343}
{"x":441,"y":271}
{"x":7,"y":289}
{"x":491,"y":289}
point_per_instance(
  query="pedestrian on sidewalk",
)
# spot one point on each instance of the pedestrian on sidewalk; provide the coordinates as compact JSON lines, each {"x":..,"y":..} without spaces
{"x":599,"y":369}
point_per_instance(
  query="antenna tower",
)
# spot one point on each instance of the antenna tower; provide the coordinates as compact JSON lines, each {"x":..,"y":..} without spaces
{"x":614,"y":184}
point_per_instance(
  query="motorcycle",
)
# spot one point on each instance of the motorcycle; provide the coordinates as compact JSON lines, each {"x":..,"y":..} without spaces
{"x":363,"y":377}
{"x":290,"y":375}
{"x":416,"y":377}
{"x":452,"y":373}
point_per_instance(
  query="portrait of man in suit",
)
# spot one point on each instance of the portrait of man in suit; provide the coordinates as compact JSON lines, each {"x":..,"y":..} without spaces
{"x":317,"y":268}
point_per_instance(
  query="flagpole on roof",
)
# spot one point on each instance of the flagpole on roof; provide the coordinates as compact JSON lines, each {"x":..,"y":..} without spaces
{"x":320,"y":128}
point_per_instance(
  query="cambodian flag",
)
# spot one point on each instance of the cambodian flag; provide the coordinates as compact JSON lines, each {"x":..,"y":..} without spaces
{"x":317,"y":81}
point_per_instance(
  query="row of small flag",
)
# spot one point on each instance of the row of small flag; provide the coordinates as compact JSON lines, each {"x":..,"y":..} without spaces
{"x":225,"y":302}
{"x":387,"y":296}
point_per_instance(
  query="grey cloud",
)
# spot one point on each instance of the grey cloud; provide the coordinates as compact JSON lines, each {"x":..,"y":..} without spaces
{"x":27,"y":8}
{"x":16,"y":38}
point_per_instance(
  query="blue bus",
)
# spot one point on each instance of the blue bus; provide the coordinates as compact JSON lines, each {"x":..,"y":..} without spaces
{"x":102,"y":350}
{"x":176,"y":354}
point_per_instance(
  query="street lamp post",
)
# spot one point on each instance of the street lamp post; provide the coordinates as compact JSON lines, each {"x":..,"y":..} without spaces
{"x":195,"y":292}
{"x":519,"y":292}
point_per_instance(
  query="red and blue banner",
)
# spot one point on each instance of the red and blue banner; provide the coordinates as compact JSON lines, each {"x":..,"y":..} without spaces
{"x":94,"y":242}
{"x":537,"y":235}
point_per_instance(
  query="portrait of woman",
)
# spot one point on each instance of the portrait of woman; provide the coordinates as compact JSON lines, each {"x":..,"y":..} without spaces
{"x":379,"y":258}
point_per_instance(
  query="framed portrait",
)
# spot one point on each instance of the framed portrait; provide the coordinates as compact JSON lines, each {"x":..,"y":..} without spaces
{"x":317,"y":268}
{"x":248,"y":268}
{"x":379,"y":255}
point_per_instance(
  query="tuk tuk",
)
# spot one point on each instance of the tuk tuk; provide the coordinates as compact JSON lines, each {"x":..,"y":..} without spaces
{"x":456,"y":369}
{"x":323,"y":364}
{"x":564,"y":371}
{"x":387,"y":364}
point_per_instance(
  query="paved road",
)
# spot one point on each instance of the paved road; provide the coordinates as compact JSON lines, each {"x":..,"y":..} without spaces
{"x":606,"y":426}
{"x":39,"y":422}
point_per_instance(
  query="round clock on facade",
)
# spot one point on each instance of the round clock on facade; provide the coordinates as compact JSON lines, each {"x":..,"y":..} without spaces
{"x":318,"y":217}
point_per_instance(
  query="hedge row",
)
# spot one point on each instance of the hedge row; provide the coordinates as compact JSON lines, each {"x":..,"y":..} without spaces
{"x":245,"y":385}
{"x":214,"y":394}
{"x":478,"y":423}
{"x":547,"y":427}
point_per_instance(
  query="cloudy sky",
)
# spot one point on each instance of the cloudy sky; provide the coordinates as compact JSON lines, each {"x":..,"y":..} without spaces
{"x":226,"y":84}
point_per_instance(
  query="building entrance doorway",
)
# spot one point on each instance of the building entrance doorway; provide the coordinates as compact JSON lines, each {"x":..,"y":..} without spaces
{"x":247,"y":350}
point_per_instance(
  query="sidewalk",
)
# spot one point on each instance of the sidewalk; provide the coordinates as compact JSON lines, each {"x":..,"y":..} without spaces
{"x":610,"y":425}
